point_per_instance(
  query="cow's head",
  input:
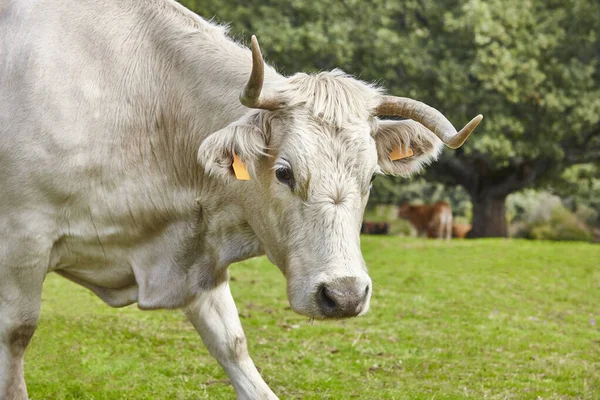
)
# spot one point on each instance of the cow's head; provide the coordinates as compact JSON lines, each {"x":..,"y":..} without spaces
{"x":405,"y":210}
{"x":313,"y":147}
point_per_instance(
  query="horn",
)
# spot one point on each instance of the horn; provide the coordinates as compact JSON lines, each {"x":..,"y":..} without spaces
{"x":250,"y":96}
{"x":429,"y":117}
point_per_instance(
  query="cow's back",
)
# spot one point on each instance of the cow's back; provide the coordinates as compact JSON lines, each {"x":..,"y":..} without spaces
{"x":88,"y":167}
{"x":57,"y":95}
{"x":83,"y":88}
{"x":109,"y":92}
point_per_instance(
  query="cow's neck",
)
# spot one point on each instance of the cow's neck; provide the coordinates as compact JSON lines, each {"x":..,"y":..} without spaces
{"x":218,"y":236}
{"x":221,"y":237}
{"x":201,"y":74}
{"x":183,"y":86}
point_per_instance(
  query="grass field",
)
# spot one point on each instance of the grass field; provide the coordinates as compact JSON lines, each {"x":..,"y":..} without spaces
{"x":484,"y":319}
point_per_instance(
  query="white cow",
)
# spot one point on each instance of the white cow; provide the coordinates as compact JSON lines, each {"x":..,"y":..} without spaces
{"x":119,"y":122}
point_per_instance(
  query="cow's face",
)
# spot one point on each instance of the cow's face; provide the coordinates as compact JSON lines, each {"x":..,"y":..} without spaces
{"x":314,"y":186}
{"x":312,"y":150}
{"x":308,"y":188}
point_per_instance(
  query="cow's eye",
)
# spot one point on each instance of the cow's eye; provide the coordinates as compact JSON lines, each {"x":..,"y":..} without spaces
{"x":284,"y":175}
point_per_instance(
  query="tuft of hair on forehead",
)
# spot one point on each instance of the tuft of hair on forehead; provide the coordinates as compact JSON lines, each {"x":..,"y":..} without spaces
{"x":335,"y":97}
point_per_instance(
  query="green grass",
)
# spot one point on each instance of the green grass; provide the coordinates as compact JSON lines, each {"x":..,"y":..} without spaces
{"x":484,"y":319}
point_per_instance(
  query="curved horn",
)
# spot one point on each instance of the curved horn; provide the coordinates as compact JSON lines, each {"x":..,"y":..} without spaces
{"x":428,"y":116}
{"x":250,"y":96}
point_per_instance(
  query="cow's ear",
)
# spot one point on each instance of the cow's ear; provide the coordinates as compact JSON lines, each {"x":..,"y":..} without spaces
{"x":243,"y":140}
{"x":404,"y":147}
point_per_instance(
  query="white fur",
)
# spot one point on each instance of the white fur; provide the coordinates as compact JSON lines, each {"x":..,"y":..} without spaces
{"x":105,"y":108}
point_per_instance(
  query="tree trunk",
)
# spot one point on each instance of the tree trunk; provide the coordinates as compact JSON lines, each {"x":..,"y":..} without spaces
{"x":488,"y":187}
{"x":489,"y":217}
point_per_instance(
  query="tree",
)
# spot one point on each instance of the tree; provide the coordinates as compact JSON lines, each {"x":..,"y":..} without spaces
{"x":535,"y":68}
{"x":530,"y":66}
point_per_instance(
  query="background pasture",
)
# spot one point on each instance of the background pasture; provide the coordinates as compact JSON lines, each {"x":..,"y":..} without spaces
{"x":477,"y":319}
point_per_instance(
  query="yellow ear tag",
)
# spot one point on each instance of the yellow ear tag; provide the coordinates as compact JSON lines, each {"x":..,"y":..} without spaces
{"x":239,"y":169}
{"x":399,"y":154}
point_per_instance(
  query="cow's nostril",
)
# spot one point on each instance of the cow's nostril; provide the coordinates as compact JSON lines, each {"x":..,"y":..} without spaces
{"x":325,"y":299}
{"x":342,"y":297}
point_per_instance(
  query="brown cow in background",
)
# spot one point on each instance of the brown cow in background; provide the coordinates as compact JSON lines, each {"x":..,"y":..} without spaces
{"x":460,"y":231}
{"x":433,"y":220}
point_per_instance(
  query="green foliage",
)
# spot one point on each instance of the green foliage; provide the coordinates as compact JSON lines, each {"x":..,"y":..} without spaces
{"x":536,"y":65}
{"x":580,"y":186}
{"x":530,"y":205}
{"x":541,"y":215}
{"x":562,"y":225}
{"x":476,"y":319}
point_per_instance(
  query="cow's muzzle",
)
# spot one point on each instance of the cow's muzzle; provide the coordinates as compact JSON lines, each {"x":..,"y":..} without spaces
{"x":343,"y":297}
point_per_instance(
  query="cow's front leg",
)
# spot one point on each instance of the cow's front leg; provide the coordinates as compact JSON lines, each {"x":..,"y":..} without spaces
{"x":215,"y":317}
{"x":20,"y":301}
